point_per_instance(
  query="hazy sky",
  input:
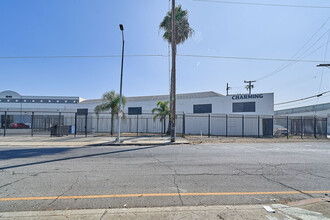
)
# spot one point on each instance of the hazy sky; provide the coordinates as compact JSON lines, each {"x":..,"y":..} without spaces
{"x":90,"y":27}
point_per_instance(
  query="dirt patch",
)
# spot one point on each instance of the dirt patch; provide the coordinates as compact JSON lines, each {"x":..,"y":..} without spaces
{"x":218,"y":140}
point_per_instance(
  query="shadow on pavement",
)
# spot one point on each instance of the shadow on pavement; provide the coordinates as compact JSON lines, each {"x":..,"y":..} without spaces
{"x":31,"y":152}
{"x":69,"y":158}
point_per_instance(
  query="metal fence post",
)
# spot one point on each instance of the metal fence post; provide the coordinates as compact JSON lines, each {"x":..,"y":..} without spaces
{"x":326,"y":127}
{"x":137,"y":125}
{"x":273,"y":126}
{"x":32,"y":123}
{"x":5,"y":128}
{"x":86,"y":125}
{"x":226,"y":125}
{"x":97,"y":123}
{"x":75,"y":124}
{"x":258,"y":126}
{"x":164,"y":125}
{"x":209,"y":126}
{"x":314,"y":127}
{"x":242,"y":125}
{"x":59,"y":125}
{"x":287,"y":127}
{"x":183,"y":125}
{"x":302,"y":127}
{"x":147,"y":125}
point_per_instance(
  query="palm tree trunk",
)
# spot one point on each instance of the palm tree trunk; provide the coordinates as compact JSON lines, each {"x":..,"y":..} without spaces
{"x":169,"y":126}
{"x":111,"y":132}
{"x":164,"y":119}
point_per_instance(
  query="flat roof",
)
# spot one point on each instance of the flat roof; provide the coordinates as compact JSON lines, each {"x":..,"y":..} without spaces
{"x":310,"y":108}
{"x":162,"y":97}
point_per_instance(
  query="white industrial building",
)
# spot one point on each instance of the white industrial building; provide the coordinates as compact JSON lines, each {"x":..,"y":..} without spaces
{"x":202,"y":102}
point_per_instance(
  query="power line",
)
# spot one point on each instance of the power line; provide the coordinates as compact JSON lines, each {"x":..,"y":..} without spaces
{"x":264,"y":4}
{"x":282,"y":67}
{"x":307,"y":101}
{"x":161,"y":55}
{"x":325,"y":56}
{"x":244,"y":58}
{"x":290,"y":64}
{"x":297,"y":100}
{"x":82,"y":56}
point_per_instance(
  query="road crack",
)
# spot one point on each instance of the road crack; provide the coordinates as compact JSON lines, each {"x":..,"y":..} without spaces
{"x":16,"y":181}
{"x":175,"y":174}
{"x":260,"y":171}
{"x":70,"y":188}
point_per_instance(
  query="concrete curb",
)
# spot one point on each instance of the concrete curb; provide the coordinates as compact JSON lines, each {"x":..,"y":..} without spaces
{"x":139,"y":144}
{"x":247,"y":212}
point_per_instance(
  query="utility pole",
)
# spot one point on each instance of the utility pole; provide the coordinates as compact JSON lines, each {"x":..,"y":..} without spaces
{"x":250,"y":86}
{"x":173,"y":81}
{"x":120,"y":114}
{"x":227,"y":89}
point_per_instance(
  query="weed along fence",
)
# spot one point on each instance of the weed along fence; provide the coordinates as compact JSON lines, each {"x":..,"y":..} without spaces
{"x":73,"y":123}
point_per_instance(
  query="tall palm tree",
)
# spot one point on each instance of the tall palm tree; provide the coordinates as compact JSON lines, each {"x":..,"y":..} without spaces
{"x":162,"y":110}
{"x":110,"y":102}
{"x":183,"y":30}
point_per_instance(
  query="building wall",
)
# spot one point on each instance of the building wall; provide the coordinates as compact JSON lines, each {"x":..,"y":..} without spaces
{"x":220,"y":104}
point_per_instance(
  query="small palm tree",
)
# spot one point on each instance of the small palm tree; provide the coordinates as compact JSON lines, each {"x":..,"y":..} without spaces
{"x":110,"y":102}
{"x":162,"y":110}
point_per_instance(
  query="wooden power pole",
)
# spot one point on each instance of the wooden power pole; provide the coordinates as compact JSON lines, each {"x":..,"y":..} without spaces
{"x":227,"y":89}
{"x":250,"y":86}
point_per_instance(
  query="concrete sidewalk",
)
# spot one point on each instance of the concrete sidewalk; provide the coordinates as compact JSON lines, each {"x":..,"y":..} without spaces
{"x":84,"y":141}
{"x":231,"y":212}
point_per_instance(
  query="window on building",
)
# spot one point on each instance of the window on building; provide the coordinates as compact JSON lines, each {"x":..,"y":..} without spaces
{"x":244,"y":107}
{"x":206,"y":108}
{"x":134,"y":110}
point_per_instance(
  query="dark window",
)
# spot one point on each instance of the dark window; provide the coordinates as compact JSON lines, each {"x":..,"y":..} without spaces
{"x":82,"y":111}
{"x":134,"y":110}
{"x":207,"y":108}
{"x":244,"y":107}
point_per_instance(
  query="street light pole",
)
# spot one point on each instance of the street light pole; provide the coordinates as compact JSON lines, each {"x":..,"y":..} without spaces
{"x":121,"y":83}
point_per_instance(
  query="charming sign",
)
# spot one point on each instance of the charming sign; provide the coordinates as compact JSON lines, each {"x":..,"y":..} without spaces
{"x":247,"y":96}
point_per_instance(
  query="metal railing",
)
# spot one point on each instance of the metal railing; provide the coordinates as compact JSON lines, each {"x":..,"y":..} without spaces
{"x":42,"y":122}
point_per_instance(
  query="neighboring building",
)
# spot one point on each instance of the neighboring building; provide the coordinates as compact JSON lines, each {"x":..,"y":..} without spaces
{"x":12,"y":101}
{"x":19,"y":107}
{"x":320,"y":110}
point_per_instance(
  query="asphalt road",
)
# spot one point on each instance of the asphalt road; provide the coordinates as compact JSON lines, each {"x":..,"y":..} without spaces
{"x":47,"y":178}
